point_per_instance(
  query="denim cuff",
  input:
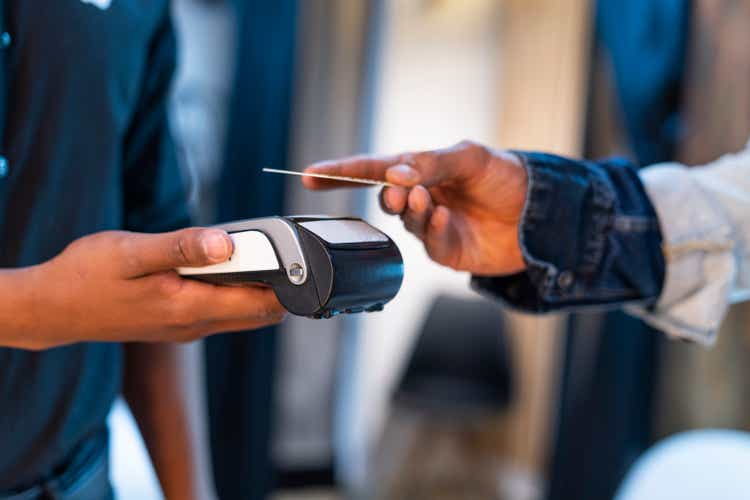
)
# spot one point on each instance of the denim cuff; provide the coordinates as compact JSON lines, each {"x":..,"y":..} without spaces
{"x":589,"y":237}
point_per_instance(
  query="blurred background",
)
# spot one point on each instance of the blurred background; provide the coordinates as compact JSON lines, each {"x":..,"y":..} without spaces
{"x":444,"y":394}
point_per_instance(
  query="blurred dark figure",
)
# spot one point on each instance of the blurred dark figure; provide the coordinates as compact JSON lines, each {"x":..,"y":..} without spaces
{"x":240,"y":368}
{"x":670,"y":82}
{"x":634,"y":109}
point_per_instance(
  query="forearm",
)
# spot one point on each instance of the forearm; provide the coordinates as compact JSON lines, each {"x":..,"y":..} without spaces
{"x":670,"y":245}
{"x":160,"y":387}
{"x":589,"y":236}
{"x":19,"y":309}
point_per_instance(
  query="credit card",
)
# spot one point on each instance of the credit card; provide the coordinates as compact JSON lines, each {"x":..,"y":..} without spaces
{"x":343,"y":178}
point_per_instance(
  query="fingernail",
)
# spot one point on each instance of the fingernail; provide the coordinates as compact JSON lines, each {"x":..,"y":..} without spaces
{"x":216,"y":245}
{"x":404,"y":174}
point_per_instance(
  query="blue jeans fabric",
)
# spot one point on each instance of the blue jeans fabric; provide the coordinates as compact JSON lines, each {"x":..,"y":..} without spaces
{"x":589,"y":236}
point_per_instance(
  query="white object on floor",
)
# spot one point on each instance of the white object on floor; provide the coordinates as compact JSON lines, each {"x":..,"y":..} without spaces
{"x":133,"y":477}
{"x":696,"y":465}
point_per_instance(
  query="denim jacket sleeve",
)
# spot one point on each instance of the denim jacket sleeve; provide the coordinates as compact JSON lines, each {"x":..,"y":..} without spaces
{"x":679,"y":272}
{"x":589,"y":236}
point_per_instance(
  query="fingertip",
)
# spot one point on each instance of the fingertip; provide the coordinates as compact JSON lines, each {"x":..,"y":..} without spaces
{"x":419,"y":199}
{"x":314,"y":183}
{"x":441,"y":241}
{"x":440,"y":219}
{"x":216,"y":244}
{"x":394,"y":199}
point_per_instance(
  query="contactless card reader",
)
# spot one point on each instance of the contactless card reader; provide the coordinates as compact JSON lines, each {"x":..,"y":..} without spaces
{"x":318,"y":266}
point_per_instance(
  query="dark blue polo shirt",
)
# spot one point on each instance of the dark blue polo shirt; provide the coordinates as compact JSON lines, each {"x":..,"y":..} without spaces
{"x":84,"y":147}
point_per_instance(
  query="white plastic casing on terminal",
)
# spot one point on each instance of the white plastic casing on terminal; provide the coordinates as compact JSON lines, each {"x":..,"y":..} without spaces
{"x":252,"y":252}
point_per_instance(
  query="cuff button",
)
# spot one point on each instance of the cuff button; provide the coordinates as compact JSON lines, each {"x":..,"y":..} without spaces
{"x":565,"y":279}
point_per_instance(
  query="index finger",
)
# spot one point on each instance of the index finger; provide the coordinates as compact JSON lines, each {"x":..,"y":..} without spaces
{"x":224,"y":303}
{"x":362,"y":167}
{"x":429,"y":168}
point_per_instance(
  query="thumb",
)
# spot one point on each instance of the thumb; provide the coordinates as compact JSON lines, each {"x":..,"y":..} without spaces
{"x":194,"y":247}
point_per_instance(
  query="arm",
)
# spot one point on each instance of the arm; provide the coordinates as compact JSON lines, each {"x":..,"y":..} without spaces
{"x":589,"y":236}
{"x":118,"y":286}
{"x":161,"y":387}
{"x":678,"y":271}
{"x":583,"y":234}
{"x":540,"y":231}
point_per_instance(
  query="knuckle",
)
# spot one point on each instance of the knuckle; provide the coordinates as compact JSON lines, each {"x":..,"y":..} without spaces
{"x":415,"y":159}
{"x":119,"y":243}
{"x":168,"y":284}
{"x":277,"y":318}
{"x":424,"y":158}
{"x":426,"y":162}
{"x":406,"y":158}
{"x":76,"y":246}
{"x":95,"y":239}
{"x":83,"y":241}
{"x":473,"y":148}
{"x":125,"y":248}
{"x":120,"y":240}
{"x":467,"y":144}
{"x":180,"y":248}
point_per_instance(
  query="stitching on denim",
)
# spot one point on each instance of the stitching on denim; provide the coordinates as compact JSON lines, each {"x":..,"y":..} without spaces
{"x":539,"y":271}
{"x":634,"y":223}
{"x":603,"y":202}
{"x":599,"y":293}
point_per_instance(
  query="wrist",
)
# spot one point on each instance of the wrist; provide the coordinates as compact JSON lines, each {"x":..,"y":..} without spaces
{"x":515,"y":256}
{"x":514,"y":178}
{"x":523,"y":186}
{"x":186,"y":481}
{"x":19,"y":306}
